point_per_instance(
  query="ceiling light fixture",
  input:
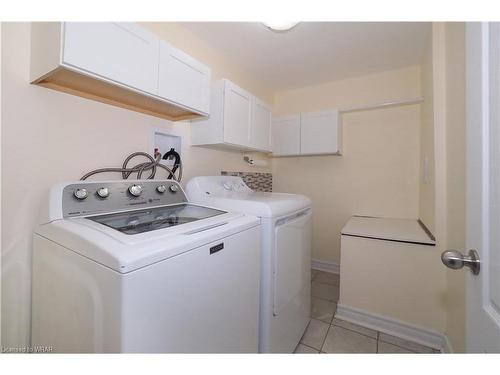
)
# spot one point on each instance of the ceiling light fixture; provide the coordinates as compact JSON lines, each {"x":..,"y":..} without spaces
{"x":280,"y":25}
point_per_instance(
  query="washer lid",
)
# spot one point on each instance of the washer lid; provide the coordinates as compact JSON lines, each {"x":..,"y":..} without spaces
{"x":232,"y":194}
{"x":258,"y":204}
{"x":141,"y":221}
{"x":389,"y":229}
{"x":124,"y":252}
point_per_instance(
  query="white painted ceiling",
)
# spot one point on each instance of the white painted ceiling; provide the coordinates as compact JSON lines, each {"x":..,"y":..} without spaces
{"x":315,"y":52}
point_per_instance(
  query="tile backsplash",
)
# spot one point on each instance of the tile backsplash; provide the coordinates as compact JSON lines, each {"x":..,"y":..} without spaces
{"x":255,"y":180}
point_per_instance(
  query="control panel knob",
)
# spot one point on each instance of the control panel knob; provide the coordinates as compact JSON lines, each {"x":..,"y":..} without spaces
{"x":227,"y":185}
{"x":103,"y":192}
{"x":161,"y":189}
{"x":135,"y":190}
{"x":81,"y":193}
{"x":174,"y":188}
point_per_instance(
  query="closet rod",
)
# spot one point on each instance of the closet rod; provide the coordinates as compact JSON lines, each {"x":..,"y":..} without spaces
{"x":383,"y":105}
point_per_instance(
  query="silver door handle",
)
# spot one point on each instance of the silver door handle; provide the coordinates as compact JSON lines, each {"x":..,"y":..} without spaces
{"x":456,"y":260}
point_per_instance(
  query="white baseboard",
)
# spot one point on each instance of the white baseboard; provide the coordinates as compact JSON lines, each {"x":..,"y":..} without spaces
{"x":424,"y":336}
{"x":323,"y":265}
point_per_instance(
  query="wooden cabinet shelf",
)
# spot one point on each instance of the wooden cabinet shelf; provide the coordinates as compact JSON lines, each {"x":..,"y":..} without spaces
{"x":120,"y":65}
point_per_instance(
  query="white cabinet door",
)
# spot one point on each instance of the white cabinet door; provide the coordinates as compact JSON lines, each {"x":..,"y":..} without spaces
{"x":183,"y":79}
{"x":122,"y":52}
{"x":319,"y":133}
{"x":261,"y":126}
{"x":286,"y":136}
{"x":237,"y":115}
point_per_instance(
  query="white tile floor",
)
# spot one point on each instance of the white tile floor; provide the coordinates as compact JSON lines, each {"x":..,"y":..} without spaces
{"x":326,"y":334}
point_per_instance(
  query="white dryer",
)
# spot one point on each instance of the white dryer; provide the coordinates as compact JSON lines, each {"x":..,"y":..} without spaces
{"x":123,"y":266}
{"x":285,"y":292}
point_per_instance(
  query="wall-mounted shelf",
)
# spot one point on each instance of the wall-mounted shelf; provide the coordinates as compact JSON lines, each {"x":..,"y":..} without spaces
{"x":394,"y":103}
{"x":319,"y":133}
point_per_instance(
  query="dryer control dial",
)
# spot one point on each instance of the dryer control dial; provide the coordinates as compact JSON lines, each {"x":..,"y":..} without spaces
{"x":103,"y":192}
{"x":161,"y":189}
{"x":81,"y":193}
{"x":135,"y":190}
{"x":174,"y":188}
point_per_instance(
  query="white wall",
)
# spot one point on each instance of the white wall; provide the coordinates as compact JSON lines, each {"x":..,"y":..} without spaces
{"x":442,"y":198}
{"x":378,"y":172}
{"x":49,"y":137}
{"x":426,"y":198}
{"x":455,"y":147}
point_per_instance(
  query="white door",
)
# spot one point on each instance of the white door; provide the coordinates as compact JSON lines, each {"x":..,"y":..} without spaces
{"x":183,"y":79}
{"x":237,"y":115}
{"x":292,"y":280}
{"x":286,"y":136}
{"x":483,"y":185}
{"x":122,"y":52}
{"x":261,"y":126}
{"x":292,"y":253}
{"x":319,"y":133}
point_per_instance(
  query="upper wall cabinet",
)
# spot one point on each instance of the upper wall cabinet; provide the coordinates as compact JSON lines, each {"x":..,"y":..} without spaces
{"x":183,"y":79}
{"x":120,"y":64}
{"x":313,"y":133}
{"x":286,"y":136}
{"x":260,"y":136}
{"x":122,"y":52}
{"x":237,"y":114}
{"x":319,"y":133}
{"x":238,"y":120}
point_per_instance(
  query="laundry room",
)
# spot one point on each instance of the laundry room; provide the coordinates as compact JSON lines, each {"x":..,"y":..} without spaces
{"x":248,"y":187}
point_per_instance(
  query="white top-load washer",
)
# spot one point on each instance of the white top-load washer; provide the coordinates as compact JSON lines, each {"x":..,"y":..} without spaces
{"x":286,"y":254}
{"x":132,"y":266}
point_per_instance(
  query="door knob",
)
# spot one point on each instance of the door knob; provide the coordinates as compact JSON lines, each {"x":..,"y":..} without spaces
{"x":456,"y":260}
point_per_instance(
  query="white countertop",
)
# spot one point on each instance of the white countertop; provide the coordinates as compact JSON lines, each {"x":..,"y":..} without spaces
{"x":404,"y":230}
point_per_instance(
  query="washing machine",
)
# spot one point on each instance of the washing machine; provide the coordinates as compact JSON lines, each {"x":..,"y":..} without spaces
{"x":133,"y":266}
{"x":285,"y":290}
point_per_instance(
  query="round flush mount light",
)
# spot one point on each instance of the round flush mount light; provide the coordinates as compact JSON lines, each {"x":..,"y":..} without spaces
{"x":280,"y":26}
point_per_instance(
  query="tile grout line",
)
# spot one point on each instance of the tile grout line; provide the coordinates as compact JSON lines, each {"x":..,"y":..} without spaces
{"x":402,"y":347}
{"x":359,"y":333}
{"x":405,"y":348}
{"x":324,"y":340}
{"x":310,"y":347}
{"x":319,"y":282}
{"x":333,"y":313}
{"x":324,"y":299}
{"x":329,"y":300}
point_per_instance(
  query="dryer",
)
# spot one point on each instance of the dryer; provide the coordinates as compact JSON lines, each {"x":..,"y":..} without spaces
{"x":285,"y":291}
{"x":133,"y":266}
